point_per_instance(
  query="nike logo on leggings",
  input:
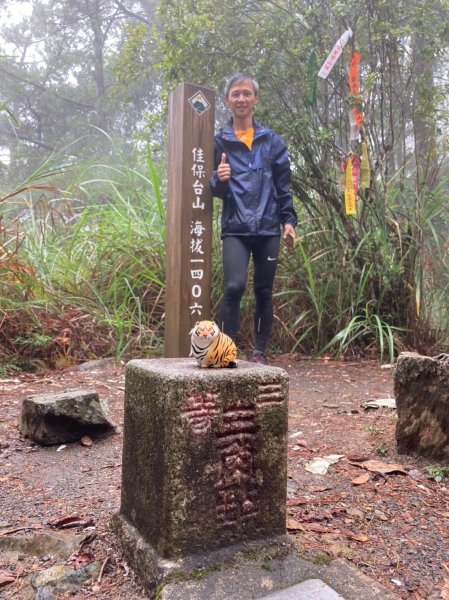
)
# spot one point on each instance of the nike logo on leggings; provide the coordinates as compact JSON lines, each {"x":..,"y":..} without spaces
{"x":269,"y":258}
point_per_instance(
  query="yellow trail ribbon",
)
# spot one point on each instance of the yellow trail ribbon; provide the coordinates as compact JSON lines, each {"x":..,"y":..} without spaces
{"x":349,"y":190}
{"x":365,"y":170}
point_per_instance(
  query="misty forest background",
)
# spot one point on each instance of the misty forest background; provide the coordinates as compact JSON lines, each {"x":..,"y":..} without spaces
{"x":84,"y":88}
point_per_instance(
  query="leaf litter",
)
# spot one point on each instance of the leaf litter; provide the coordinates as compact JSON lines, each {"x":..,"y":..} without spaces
{"x":388,"y":522}
{"x":391,"y":525}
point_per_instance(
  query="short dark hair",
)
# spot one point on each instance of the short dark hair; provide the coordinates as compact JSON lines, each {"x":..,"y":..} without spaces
{"x":237,"y":78}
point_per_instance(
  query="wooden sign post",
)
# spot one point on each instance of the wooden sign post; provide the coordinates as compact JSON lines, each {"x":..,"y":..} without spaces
{"x":189,"y":214}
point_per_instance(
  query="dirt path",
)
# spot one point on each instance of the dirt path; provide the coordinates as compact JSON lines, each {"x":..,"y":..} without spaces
{"x":392,"y":526}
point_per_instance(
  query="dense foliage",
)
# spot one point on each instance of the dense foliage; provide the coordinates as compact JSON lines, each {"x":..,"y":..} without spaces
{"x":385,"y":265}
{"x":374,"y":281}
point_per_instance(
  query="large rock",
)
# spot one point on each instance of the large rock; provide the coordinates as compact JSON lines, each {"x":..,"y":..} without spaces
{"x":65,"y":417}
{"x":57,"y":580}
{"x":421,"y":387}
{"x":61,"y":545}
{"x":204,"y":460}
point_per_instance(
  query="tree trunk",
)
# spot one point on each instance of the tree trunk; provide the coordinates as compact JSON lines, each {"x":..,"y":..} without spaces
{"x":424,"y":121}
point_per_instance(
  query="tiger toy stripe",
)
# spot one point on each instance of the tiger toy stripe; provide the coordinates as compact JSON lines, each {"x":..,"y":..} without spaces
{"x":211,"y":347}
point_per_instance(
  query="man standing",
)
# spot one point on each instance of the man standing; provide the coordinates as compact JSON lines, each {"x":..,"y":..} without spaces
{"x":252,"y":176}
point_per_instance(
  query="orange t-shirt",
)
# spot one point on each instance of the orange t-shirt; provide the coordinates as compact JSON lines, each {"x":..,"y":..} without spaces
{"x":246,"y":136}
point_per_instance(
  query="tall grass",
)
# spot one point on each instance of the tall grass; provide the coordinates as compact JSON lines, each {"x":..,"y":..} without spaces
{"x":82,"y":271}
{"x":99,"y":248}
{"x":379,"y":292}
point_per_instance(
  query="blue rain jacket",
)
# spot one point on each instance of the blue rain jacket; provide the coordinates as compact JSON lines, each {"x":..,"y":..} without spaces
{"x":257,"y":198}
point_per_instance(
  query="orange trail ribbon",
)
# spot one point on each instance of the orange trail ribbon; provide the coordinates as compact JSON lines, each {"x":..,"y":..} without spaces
{"x":349,"y":190}
{"x":354,"y":88}
{"x":365,"y":170}
{"x":358,"y":116}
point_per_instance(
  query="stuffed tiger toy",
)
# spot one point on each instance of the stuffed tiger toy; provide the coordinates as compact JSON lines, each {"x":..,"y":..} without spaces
{"x":211,"y":348}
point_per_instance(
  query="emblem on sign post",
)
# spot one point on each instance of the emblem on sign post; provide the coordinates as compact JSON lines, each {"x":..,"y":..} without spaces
{"x":199,"y":103}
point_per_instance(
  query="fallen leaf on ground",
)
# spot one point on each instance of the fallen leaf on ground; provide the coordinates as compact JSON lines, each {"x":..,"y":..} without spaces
{"x":295,"y":434}
{"x":380,"y":515}
{"x":6,"y":578}
{"x":361,"y":479}
{"x":355,"y":512}
{"x":407,"y":517}
{"x":86,"y":441}
{"x":314,"y":527}
{"x":356,"y":457}
{"x":298,"y":501}
{"x":377,"y":466}
{"x":357,"y":537}
{"x":319,"y":466}
{"x":320,"y":488}
{"x":340,"y":549}
{"x":306,"y":517}
{"x":444,"y":594}
{"x":300,"y":444}
{"x":72,"y":521}
{"x":293,"y":525}
{"x":380,"y":403}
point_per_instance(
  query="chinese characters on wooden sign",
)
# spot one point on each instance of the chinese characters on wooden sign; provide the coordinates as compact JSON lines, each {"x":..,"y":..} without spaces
{"x":197,"y":229}
{"x":189,"y":215}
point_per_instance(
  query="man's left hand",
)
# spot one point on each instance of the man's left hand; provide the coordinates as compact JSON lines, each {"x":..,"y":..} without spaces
{"x":289,"y":230}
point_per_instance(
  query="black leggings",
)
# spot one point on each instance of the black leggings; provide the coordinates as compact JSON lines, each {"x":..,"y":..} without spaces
{"x":236,"y":254}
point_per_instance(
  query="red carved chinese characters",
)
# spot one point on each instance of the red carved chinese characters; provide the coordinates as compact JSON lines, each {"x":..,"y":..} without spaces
{"x":200,"y":409}
{"x":270,"y":392}
{"x":237,"y":489}
{"x":234,"y":432}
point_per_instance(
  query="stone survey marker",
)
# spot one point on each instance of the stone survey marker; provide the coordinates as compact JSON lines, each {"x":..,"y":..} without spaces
{"x":204,"y":456}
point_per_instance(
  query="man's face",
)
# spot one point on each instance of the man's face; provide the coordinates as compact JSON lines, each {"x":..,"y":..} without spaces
{"x":241,"y":99}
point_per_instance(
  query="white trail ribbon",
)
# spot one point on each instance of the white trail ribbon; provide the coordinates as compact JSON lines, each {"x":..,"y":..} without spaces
{"x":334,"y":55}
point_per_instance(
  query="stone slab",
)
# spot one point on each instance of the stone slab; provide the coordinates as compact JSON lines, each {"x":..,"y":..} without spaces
{"x":312,"y":589}
{"x":256,"y":578}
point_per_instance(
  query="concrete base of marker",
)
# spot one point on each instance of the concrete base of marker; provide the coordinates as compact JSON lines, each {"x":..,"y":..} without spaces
{"x":160,"y":577}
{"x":255,"y":570}
{"x":272,"y":571}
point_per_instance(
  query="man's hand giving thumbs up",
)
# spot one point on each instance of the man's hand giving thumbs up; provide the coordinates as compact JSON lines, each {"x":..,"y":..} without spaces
{"x":224,"y":169}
